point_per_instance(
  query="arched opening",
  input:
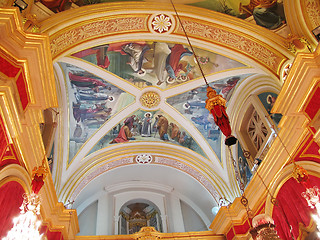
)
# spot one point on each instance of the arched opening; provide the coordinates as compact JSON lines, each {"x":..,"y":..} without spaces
{"x":137,"y":214}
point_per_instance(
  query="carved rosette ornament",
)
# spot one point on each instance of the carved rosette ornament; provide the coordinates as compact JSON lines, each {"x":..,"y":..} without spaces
{"x":150,"y":99}
{"x":144,"y":158}
{"x":161,"y":23}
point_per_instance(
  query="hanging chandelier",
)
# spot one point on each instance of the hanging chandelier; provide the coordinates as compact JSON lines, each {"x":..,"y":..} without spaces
{"x":311,"y":195}
{"x":263,"y":228}
{"x":26,"y":225}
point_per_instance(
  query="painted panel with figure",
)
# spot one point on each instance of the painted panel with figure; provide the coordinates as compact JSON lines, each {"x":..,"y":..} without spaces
{"x":92,"y":102}
{"x":156,"y":63}
{"x":192,"y":105}
{"x":148,"y":126}
{"x":243,"y":170}
{"x":268,"y":99}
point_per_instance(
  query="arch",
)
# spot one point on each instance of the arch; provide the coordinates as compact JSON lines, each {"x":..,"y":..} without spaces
{"x":108,"y":159}
{"x":282,"y":189}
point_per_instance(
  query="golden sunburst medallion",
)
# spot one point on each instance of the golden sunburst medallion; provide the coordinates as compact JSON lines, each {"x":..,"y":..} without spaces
{"x":150,"y":99}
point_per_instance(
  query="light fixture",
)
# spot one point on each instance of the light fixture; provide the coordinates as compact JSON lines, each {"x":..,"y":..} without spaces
{"x":263,"y":228}
{"x":22,"y":5}
{"x":311,"y":195}
{"x":215,"y":103}
{"x":26,"y":225}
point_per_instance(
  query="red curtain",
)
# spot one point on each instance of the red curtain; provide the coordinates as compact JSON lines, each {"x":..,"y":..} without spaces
{"x":10,"y":201}
{"x":292,"y":208}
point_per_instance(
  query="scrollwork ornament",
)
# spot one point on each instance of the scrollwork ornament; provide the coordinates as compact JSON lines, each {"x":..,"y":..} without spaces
{"x":144,"y":158}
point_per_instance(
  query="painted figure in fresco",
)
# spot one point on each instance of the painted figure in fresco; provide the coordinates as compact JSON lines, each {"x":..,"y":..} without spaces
{"x":161,"y":53}
{"x":228,"y":87}
{"x":162,"y":127}
{"x":194,"y":103}
{"x":124,"y":134}
{"x":245,"y":173}
{"x":100,"y":52}
{"x":174,"y":64}
{"x":184,"y":140}
{"x":146,"y":125}
{"x":83,"y":95}
{"x":136,"y":52}
{"x":130,"y":121}
{"x":275,"y":116}
{"x":266,"y":13}
{"x":174,"y":131}
{"x":98,"y":111}
{"x":201,"y":120}
{"x":84,"y":81}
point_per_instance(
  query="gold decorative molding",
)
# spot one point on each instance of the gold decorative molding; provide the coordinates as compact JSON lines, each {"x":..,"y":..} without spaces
{"x":228,"y":32}
{"x":150,"y":99}
{"x":225,"y":36}
{"x":79,"y":33}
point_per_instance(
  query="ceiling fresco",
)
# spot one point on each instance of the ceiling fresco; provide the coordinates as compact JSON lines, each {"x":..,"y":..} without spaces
{"x":191,"y":104}
{"x":93,"y":100}
{"x":149,"y":126}
{"x":155,"y":63}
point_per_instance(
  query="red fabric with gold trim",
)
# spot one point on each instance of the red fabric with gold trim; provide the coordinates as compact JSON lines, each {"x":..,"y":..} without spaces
{"x":10,"y":202}
{"x":292,"y":209}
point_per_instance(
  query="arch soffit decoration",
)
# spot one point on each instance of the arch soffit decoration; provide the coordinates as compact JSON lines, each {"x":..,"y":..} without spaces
{"x":284,"y":175}
{"x":106,"y":160}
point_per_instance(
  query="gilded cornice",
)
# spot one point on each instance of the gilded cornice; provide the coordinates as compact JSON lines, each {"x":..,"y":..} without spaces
{"x":151,"y":234}
{"x":32,"y":53}
{"x":91,"y":24}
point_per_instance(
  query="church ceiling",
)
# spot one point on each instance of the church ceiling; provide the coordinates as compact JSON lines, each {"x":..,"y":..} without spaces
{"x":166,"y":67}
{"x":133,"y":94}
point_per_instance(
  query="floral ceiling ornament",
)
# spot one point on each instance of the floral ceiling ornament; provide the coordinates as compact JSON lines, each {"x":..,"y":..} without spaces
{"x":144,"y":158}
{"x":161,"y":23}
{"x":150,"y":99}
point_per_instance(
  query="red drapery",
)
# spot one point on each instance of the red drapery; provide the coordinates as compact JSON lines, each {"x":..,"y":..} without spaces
{"x":10,"y":201}
{"x":292,"y":208}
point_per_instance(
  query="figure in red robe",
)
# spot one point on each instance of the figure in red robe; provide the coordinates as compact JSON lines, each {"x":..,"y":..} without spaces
{"x":83,"y":81}
{"x":216,"y":104}
{"x":124,"y":134}
{"x":173,"y":64}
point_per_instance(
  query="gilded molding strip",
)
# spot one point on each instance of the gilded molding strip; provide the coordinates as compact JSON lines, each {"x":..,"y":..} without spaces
{"x":191,"y":171}
{"x":98,"y":171}
{"x":218,"y":34}
{"x":92,"y":30}
{"x":234,"y":40}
